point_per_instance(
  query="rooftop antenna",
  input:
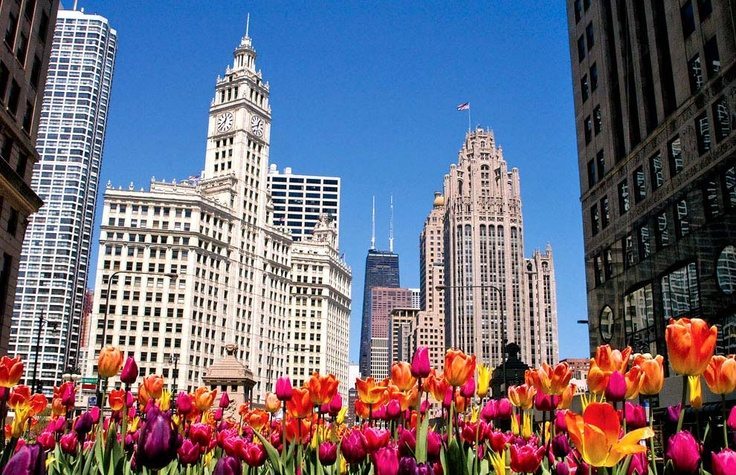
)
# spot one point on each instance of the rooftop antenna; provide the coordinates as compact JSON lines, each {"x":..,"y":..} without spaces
{"x":75,"y":5}
{"x":247,"y":25}
{"x":391,"y":227}
{"x":373,"y":224}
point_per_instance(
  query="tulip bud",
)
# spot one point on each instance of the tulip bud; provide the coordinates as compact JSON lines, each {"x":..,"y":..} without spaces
{"x":393,"y":409}
{"x":673,"y":413}
{"x":335,"y":405}
{"x":109,"y":362}
{"x":83,"y":424}
{"x":94,"y":411}
{"x":283,"y":388}
{"x":130,"y":371}
{"x":723,"y":462}
{"x":28,"y":460}
{"x":616,"y":387}
{"x":420,"y":367}
{"x":386,"y":461}
{"x":636,"y":416}
{"x":544,"y":402}
{"x":353,"y":447}
{"x":157,"y":440}
{"x":228,"y":465}
{"x":188,"y":452}
{"x":560,"y":446}
{"x":253,"y":454}
{"x":272,"y":403}
{"x":434,"y":445}
{"x":560,"y":422}
{"x":562,"y":468}
{"x":224,"y":400}
{"x":684,"y":452}
{"x":327,"y":453}
{"x":68,"y":443}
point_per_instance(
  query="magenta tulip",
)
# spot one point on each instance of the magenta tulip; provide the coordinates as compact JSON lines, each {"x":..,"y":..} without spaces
{"x":335,"y":405}
{"x":253,"y":454}
{"x":188,"y":452}
{"x":407,"y":466}
{"x":386,"y":461}
{"x":526,"y":458}
{"x":68,"y":443}
{"x":488,"y":412}
{"x":560,"y":422}
{"x":407,"y":443}
{"x":46,"y":439}
{"x":228,"y":465}
{"x":420,"y":367}
{"x":434,"y":445}
{"x":503,"y":409}
{"x":327,"y":453}
{"x":732,"y":419}
{"x":684,"y":452}
{"x":283,"y":388}
{"x":468,"y":389}
{"x":616,"y":388}
{"x":184,"y":403}
{"x":639,"y":464}
{"x":353,"y":447}
{"x":130,"y":371}
{"x":724,"y":462}
{"x":393,"y":410}
{"x":636,"y":416}
{"x":83,"y":424}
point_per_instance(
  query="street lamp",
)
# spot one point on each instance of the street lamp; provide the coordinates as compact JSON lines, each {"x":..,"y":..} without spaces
{"x":35,"y":386}
{"x":174,"y":359}
{"x":503,"y":313}
{"x":171,"y":275}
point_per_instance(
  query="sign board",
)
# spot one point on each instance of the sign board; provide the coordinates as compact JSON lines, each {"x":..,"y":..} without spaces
{"x":92,"y":401}
{"x":89,"y":380}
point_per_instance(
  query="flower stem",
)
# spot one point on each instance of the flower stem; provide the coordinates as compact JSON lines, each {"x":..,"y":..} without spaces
{"x":725,"y":427}
{"x":651,"y":440}
{"x":682,"y":403}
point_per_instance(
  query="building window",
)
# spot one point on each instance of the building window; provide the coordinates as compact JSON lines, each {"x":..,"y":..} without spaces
{"x":640,"y":185}
{"x":578,"y":10}
{"x":722,"y":117}
{"x":588,"y":125}
{"x":20,"y":53}
{"x":688,"y":19}
{"x":584,"y":87}
{"x":629,"y":251}
{"x":4,"y":79}
{"x":598,"y":270}
{"x":591,"y":173}
{"x":655,"y":170}
{"x":12,"y":222}
{"x":726,"y":270}
{"x":14,"y":98}
{"x":696,"y":74}
{"x":605,"y":212}
{"x":645,"y":244}
{"x":702,"y":130}
{"x":606,"y":324}
{"x":608,"y":263}
{"x":712,"y":60}
{"x":593,"y":77}
{"x":10,"y":32}
{"x":581,"y":48}
{"x":594,"y":220}
{"x":601,"y":164}
{"x":705,"y":8}
{"x":711,"y":203}
{"x":682,"y":219}
{"x":663,"y":233}
{"x":680,"y":293}
{"x":597,"y":120}
{"x":726,"y":344}
{"x":590,"y":38}
{"x":675,"y":156}
{"x":36,"y":71}
{"x":28,"y":118}
{"x":43,"y":27}
{"x":624,"y":201}
{"x":729,"y":187}
{"x":639,"y":313}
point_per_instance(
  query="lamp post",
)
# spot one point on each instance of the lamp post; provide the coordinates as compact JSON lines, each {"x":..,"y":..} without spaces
{"x":35,"y":386}
{"x":503,"y":313}
{"x":174,"y":359}
{"x":171,"y":275}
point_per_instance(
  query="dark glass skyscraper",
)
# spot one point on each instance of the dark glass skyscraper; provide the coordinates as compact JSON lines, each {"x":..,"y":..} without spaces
{"x":381,"y":270}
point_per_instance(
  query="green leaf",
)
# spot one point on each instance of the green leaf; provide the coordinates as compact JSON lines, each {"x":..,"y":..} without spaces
{"x":421,"y":450}
{"x":456,"y":457}
{"x":272,"y":453}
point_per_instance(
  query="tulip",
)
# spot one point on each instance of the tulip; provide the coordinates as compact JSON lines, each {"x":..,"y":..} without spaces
{"x":561,"y":468}
{"x":46,"y":439}
{"x":203,"y":398}
{"x":11,"y":370}
{"x":467,"y":390}
{"x":200,"y":434}
{"x":184,"y":403}
{"x":83,"y":424}
{"x":327,"y":453}
{"x":639,"y":464}
{"x":596,"y":435}
{"x":375,"y":438}
{"x":407,"y":466}
{"x":370,"y":392}
{"x":28,"y":460}
{"x":257,"y":419}
{"x":254,"y":454}
{"x":109,"y":362}
{"x":684,"y":452}
{"x":636,"y":416}
{"x":393,"y":409}
{"x":567,"y":395}
{"x":522,"y":396}
{"x":723,"y":462}
{"x":503,"y":409}
{"x":653,"y":369}
{"x":605,"y":362}
{"x":633,"y":378}
{"x":66,"y":394}
{"x":130,"y":371}
{"x":300,"y":404}
{"x":228,"y":465}
{"x":401,"y":376}
{"x":616,"y":387}
{"x":420,"y":366}
{"x":551,"y":379}
{"x":545,"y":402}
{"x":272,"y":403}
{"x":732,"y":419}
{"x":322,"y":388}
{"x":484,"y":380}
{"x":353,"y":446}
{"x":720,"y":375}
{"x":283,"y":388}
{"x":488,"y":411}
{"x":560,"y":422}
{"x":188,"y":452}
{"x":157,"y":441}
{"x":560,"y":446}
{"x":386,"y":461}
{"x":696,"y":393}
{"x":335,"y":405}
{"x":224,"y":400}
{"x":690,"y":345}
{"x":154,"y":385}
{"x":526,"y":458}
{"x":407,"y":443}
{"x":116,"y":399}
{"x":436,"y":385}
{"x":68,"y":443}
{"x":459,"y":367}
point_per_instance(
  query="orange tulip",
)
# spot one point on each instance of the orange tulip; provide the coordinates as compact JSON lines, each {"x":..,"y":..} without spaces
{"x":57,"y":407}
{"x":109,"y":362}
{"x":322,"y":388}
{"x":203,"y":398}
{"x":300,"y":404}
{"x":154,"y":385}
{"x":690,"y":345}
{"x":272,"y":403}
{"x":653,"y":369}
{"x":401,"y":376}
{"x":633,"y":378}
{"x":605,"y":362}
{"x":458,"y":367}
{"x":21,"y":397}
{"x":522,"y":396}
{"x":143,"y":396}
{"x":257,"y":419}
{"x":436,"y":385}
{"x":362,"y":410}
{"x":596,"y":435}
{"x":567,"y":396}
{"x":11,"y":370}
{"x":461,"y":402}
{"x":370,"y":392}
{"x":294,"y":427}
{"x":550,"y":380}
{"x":720,"y":375}
{"x":116,"y":399}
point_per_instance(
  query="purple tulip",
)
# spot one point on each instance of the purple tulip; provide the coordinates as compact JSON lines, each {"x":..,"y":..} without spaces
{"x":28,"y":460}
{"x":424,"y":469}
{"x":407,"y":466}
{"x":130,"y":371}
{"x":84,"y":424}
{"x":327,"y":453}
{"x":673,"y":413}
{"x":562,"y":468}
{"x":616,"y":388}
{"x":560,"y":446}
{"x":420,"y":367}
{"x":188,"y":452}
{"x":224,"y":400}
{"x":157,"y":440}
{"x":283,"y":388}
{"x":684,"y":452}
{"x":353,"y":447}
{"x":228,"y":465}
{"x":636,"y":416}
{"x":724,"y":462}
{"x":407,"y":443}
{"x":386,"y":461}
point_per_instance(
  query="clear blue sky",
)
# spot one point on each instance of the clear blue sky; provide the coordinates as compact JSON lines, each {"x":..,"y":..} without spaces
{"x":366,"y":91}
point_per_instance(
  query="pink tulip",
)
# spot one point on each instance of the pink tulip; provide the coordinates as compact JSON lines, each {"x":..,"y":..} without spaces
{"x":684,"y":452}
{"x":724,"y":462}
{"x":636,"y":416}
{"x":327,"y":453}
{"x":468,"y":389}
{"x":420,"y":367}
{"x":732,"y":419}
{"x":526,"y":458}
{"x":188,"y":452}
{"x":68,"y":443}
{"x":353,"y":447}
{"x":130,"y":371}
{"x":616,"y":388}
{"x":503,"y":409}
{"x":283,"y":388}
{"x":386,"y":461}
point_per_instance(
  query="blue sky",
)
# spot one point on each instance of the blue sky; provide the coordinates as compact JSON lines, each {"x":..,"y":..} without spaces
{"x":366,"y":91}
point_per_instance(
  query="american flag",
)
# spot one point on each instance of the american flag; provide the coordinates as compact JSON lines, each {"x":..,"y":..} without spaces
{"x":464,"y":106}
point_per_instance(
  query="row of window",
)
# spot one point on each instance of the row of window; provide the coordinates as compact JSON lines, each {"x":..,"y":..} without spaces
{"x":687,"y":15}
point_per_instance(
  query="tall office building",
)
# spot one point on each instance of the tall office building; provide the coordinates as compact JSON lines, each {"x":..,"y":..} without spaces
{"x":655,"y":99}
{"x":383,"y":301}
{"x":190,"y":267}
{"x":319,"y":327}
{"x":489,"y":289}
{"x":381,"y":270}
{"x":299,"y":201}
{"x":28,"y":30}
{"x":55,"y":259}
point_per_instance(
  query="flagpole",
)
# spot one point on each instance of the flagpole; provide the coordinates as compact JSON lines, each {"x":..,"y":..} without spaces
{"x":468,"y":119}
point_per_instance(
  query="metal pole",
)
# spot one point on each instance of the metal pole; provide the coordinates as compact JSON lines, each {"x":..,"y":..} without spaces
{"x":38,"y":349}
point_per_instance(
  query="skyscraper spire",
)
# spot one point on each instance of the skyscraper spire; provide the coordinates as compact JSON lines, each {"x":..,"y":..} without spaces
{"x":391,"y":227}
{"x":247,"y":25}
{"x":373,"y":224}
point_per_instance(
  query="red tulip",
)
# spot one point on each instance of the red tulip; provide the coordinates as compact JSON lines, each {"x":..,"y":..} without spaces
{"x":254,"y":454}
{"x":723,"y":462}
{"x":526,"y":458}
{"x":130,"y":371}
{"x":375,"y":438}
{"x":684,"y":452}
{"x":201,"y":434}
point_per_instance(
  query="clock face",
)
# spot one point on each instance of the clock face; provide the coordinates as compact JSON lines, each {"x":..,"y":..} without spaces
{"x":225,"y":122}
{"x":256,"y":126}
